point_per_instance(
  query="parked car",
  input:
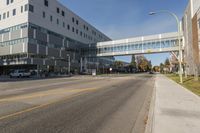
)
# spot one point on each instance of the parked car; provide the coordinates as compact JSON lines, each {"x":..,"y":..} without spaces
{"x":20,"y":73}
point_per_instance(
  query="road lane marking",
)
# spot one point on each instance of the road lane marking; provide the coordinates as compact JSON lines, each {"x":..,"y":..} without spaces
{"x":43,"y":85}
{"x":42,"y":94}
{"x":42,"y":105}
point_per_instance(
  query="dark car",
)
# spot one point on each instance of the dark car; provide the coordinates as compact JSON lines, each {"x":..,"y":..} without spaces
{"x":151,"y":72}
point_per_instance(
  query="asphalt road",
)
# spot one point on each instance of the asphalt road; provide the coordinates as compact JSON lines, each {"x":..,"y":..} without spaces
{"x":76,"y":105}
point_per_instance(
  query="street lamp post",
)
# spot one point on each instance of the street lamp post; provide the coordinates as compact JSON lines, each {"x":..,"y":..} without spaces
{"x":179,"y":39}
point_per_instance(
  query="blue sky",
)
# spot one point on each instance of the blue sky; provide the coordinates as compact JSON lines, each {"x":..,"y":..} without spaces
{"x":129,"y":18}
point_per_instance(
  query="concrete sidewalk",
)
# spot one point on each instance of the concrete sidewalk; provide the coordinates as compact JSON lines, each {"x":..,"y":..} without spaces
{"x":176,"y":109}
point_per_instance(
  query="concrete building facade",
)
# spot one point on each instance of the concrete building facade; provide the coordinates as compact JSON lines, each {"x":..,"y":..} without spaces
{"x":198,"y":32}
{"x":191,"y":31}
{"x":45,"y":35}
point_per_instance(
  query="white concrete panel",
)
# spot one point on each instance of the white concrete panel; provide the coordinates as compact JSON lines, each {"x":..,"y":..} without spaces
{"x":19,"y":18}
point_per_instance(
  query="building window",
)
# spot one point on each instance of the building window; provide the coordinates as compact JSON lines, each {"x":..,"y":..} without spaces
{"x":58,"y":10}
{"x":8,"y":2}
{"x":72,"y":29}
{"x":77,"y":22}
{"x":64,"y":24}
{"x":22,"y":9}
{"x":68,"y":27}
{"x":11,"y":1}
{"x":26,"y":8}
{"x":44,"y":14}
{"x":73,"y":20}
{"x":14,"y":12}
{"x":76,"y":31}
{"x":81,"y":33}
{"x":51,"y":18}
{"x":46,"y":3}
{"x":57,"y":21}
{"x":63,"y":13}
{"x":4,"y":15}
{"x":31,"y":8}
{"x":8,"y":14}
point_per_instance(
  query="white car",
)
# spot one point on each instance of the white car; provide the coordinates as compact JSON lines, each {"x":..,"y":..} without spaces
{"x":20,"y":73}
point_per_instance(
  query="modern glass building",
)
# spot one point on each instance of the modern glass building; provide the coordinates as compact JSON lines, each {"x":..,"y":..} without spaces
{"x":44,"y":35}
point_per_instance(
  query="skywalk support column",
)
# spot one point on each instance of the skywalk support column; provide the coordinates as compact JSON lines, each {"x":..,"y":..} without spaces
{"x":69,"y":64}
{"x":81,"y":64}
{"x":142,"y":44}
{"x":160,"y":37}
{"x":180,"y":53}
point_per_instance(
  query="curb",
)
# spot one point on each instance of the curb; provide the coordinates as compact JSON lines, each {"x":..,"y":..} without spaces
{"x":150,"y":122}
{"x":143,"y":111}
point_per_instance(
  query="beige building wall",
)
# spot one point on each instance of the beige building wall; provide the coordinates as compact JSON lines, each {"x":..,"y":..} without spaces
{"x":198,"y":24}
{"x":191,"y":31}
{"x":187,"y":31}
{"x":195,"y":42}
{"x":194,"y":7}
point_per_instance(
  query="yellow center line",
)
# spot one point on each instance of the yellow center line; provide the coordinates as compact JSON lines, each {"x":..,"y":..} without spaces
{"x":42,"y":94}
{"x":42,"y":105}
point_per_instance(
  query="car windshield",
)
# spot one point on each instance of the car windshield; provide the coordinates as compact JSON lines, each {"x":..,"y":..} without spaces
{"x":21,"y":71}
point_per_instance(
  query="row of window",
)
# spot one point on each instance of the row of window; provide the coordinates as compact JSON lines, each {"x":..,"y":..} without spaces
{"x":13,"y":57}
{"x":50,"y":45}
{"x":62,"y":12}
{"x":9,"y":2}
{"x":7,"y":14}
{"x":46,"y":3}
{"x":68,"y":27}
{"x":13,"y":42}
{"x":75,"y":21}
{"x":25,"y":25}
{"x":13,"y":28}
{"x":14,"y":11}
{"x":94,"y":33}
{"x":33,"y":26}
{"x":31,"y":9}
{"x":153,"y":45}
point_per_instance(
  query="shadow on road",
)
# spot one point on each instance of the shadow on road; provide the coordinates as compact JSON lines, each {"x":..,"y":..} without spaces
{"x":8,"y":79}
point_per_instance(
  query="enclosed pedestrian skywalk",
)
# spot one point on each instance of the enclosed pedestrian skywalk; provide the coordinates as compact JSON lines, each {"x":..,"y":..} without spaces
{"x":166,"y":42}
